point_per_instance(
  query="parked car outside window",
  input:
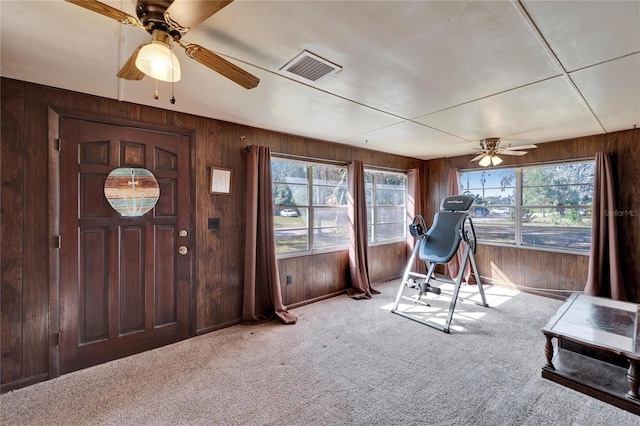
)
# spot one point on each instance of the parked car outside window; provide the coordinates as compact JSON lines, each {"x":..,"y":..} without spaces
{"x":480,"y":211}
{"x":289,"y":213}
{"x":499,"y":211}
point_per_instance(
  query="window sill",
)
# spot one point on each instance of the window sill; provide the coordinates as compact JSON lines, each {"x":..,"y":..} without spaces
{"x":546,"y":249}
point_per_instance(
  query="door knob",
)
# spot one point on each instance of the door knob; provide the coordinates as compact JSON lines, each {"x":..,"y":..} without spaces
{"x":183,"y":250}
{"x":182,"y":233}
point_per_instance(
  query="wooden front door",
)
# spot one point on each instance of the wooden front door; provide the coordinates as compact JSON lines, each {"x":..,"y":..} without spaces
{"x":124,"y":286}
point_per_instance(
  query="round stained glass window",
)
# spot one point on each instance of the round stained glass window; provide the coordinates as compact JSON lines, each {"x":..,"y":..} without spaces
{"x":131,"y":191}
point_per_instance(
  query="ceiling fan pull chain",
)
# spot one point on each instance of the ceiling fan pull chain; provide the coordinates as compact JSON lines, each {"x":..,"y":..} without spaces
{"x":156,"y":95}
{"x":173,"y":98}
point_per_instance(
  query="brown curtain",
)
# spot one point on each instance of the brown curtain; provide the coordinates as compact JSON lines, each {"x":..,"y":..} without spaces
{"x":414,"y":208}
{"x":453,"y":267}
{"x":414,"y":201}
{"x":262,"y":296}
{"x":605,"y":274}
{"x":358,"y":240}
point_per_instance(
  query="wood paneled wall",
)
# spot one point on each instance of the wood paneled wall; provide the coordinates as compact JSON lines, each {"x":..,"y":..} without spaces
{"x":557,"y":273}
{"x":28,"y":301}
{"x":329,"y":272}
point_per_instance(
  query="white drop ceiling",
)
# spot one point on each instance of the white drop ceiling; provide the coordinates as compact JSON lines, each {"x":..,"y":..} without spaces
{"x":425,"y":79}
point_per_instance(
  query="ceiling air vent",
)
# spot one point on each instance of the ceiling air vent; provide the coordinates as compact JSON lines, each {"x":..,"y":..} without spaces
{"x":309,"y":66}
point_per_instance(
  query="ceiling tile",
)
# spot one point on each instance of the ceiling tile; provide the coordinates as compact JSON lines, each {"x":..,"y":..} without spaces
{"x":551,"y":107}
{"x":276,"y":104}
{"x":412,"y":140}
{"x":583,"y":33}
{"x":407,"y":58}
{"x":60,"y":45}
{"x":612,"y":90}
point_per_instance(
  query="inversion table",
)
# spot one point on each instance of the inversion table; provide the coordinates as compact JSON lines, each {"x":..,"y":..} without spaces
{"x":452,"y":226}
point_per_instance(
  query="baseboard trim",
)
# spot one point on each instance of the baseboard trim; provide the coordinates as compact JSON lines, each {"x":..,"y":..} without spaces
{"x":22,"y":383}
{"x":217,"y":327}
{"x":316,"y":299}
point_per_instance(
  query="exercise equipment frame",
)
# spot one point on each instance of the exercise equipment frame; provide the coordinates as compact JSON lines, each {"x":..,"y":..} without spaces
{"x":409,"y":278}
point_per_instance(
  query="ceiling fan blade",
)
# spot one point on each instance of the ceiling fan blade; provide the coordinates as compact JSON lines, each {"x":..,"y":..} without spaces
{"x":187,"y":14}
{"x":222,"y":66}
{"x":108,"y":11}
{"x":478,"y":157}
{"x":505,"y":152}
{"x":129,"y":71}
{"x":511,"y":148}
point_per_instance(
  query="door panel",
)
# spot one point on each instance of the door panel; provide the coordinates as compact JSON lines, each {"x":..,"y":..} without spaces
{"x":124,"y":288}
{"x":132,"y":279}
{"x":165,"y":291}
{"x":95,"y":295}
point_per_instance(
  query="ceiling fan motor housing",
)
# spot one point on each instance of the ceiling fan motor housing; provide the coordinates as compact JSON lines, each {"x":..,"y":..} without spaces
{"x":490,"y":144}
{"x":151,"y":15}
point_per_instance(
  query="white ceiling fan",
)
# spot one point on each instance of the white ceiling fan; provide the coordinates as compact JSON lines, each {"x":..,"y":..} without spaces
{"x":489,"y":151}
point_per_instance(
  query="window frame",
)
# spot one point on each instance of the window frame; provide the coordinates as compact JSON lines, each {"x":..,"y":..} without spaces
{"x":519,"y":206}
{"x":371,"y":242}
{"x":311,"y":207}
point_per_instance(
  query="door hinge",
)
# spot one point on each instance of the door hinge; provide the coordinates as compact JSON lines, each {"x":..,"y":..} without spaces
{"x":57,"y":241}
{"x":57,"y":145}
{"x":59,"y":338}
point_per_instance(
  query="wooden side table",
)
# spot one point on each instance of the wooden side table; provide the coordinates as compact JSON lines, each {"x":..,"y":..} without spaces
{"x":602,"y":330}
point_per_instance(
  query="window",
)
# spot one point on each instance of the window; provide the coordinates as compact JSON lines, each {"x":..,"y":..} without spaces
{"x":542,"y":206}
{"x":309,"y":206}
{"x":386,"y":206}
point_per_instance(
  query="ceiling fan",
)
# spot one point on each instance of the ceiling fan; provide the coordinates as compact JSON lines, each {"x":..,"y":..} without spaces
{"x":489,"y":151}
{"x":167,"y":21}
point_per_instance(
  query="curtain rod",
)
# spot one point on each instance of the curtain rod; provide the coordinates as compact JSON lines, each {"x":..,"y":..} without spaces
{"x":336,"y":162}
{"x":534,"y":164}
{"x":302,"y":157}
{"x":389,"y":169}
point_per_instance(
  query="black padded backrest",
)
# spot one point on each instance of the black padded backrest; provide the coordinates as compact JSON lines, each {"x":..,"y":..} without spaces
{"x":457,"y":203}
{"x":443,"y":238}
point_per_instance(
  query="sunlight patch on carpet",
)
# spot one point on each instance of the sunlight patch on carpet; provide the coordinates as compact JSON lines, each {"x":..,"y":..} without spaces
{"x":435,"y":308}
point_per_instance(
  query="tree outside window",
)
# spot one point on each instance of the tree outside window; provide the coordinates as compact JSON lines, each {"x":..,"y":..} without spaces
{"x":309,"y":206}
{"x":386,"y":195}
{"x":543,"y":206}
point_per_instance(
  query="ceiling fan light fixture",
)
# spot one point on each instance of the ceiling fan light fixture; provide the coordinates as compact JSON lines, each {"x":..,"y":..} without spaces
{"x":495,"y":160}
{"x":157,"y":60}
{"x":485,"y":161}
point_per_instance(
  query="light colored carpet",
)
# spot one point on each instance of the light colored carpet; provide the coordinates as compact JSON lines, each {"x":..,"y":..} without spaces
{"x":346,"y":362}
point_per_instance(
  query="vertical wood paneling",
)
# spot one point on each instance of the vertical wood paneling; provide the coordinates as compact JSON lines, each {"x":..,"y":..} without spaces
{"x":35,"y":293}
{"x":582,"y":272}
{"x":328,"y":273}
{"x":233,"y":213}
{"x":569,"y":268}
{"x":12,"y":227}
{"x":206,"y":240}
{"x":626,"y":161}
{"x":509,"y":264}
{"x":531,"y":267}
{"x":54,"y":253}
{"x":387,"y":261}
